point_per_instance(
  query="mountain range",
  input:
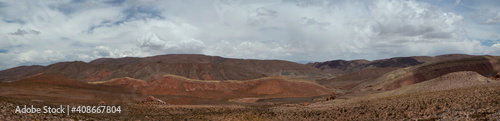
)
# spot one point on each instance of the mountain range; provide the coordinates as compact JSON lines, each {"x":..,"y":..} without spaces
{"x":261,"y":85}
{"x":217,"y":77}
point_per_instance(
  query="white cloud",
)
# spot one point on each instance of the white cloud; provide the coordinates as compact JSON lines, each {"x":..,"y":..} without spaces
{"x":497,"y":45}
{"x":47,"y":32}
{"x":151,"y":41}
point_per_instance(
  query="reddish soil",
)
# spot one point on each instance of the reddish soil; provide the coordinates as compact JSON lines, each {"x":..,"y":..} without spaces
{"x":151,"y":68}
{"x":203,"y":90}
{"x":481,"y":64}
{"x":263,"y":88}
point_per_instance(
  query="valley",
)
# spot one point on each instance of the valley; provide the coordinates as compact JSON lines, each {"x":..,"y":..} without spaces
{"x":201,"y":87}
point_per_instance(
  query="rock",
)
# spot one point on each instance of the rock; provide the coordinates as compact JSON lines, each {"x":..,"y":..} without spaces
{"x":151,"y":100}
{"x":306,"y":104}
{"x":331,"y":97}
{"x":102,"y":103}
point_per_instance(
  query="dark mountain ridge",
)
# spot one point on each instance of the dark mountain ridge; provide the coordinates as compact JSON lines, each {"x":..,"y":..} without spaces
{"x":338,"y":67}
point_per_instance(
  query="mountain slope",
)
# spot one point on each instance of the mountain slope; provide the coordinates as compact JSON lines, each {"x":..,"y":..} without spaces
{"x":450,"y":81}
{"x":338,"y":67}
{"x":151,"y":68}
{"x":485,"y":65}
{"x":269,"y":87}
{"x":267,"y":67}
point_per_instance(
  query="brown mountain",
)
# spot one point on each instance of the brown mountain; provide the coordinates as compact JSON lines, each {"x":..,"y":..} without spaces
{"x":269,"y":87}
{"x":487,"y":66}
{"x":351,"y":73}
{"x":16,"y":73}
{"x":349,"y":80}
{"x":338,"y":67}
{"x":454,"y":80}
{"x":151,"y":68}
{"x":50,"y":85}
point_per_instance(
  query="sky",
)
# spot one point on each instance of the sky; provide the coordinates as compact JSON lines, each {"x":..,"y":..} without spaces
{"x":42,"y":32}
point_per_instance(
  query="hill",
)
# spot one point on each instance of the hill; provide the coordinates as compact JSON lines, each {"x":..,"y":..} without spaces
{"x":487,"y":66}
{"x":338,"y":67}
{"x":151,"y":68}
{"x":269,"y":87}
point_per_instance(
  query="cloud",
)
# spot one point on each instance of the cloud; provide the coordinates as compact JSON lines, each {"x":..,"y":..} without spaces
{"x":49,"y":31}
{"x":23,"y":32}
{"x":261,"y":16}
{"x":151,"y":41}
{"x":494,"y":19}
{"x":497,"y":45}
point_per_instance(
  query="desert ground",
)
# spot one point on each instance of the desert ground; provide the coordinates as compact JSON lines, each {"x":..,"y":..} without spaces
{"x":199,"y":87}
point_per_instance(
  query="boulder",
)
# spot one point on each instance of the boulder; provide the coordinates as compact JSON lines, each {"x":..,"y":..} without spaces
{"x":102,"y":103}
{"x":331,"y":97}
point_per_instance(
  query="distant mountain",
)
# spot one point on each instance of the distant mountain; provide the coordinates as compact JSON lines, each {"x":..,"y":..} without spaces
{"x":303,"y":61}
{"x":192,"y":66}
{"x":338,"y":67}
{"x":227,"y":79}
{"x":487,"y":66}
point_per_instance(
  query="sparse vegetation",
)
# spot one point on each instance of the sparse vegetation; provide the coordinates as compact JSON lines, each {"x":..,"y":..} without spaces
{"x":477,"y":103}
{"x":465,"y":95}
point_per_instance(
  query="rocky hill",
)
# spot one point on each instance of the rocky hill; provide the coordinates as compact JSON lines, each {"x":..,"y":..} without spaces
{"x":487,"y":66}
{"x":269,"y":87}
{"x":151,"y":68}
{"x":338,"y":67}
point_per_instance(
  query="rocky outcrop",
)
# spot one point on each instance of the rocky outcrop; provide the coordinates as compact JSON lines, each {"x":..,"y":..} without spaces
{"x":495,"y":77}
{"x":331,"y":97}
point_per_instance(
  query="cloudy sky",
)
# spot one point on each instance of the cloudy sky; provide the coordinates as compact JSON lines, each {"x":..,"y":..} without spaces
{"x":41,"y":32}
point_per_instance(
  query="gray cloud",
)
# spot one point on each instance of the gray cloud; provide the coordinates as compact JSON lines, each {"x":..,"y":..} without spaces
{"x":437,"y":35}
{"x":2,"y":4}
{"x":494,"y":19}
{"x":316,"y":30}
{"x":261,"y":16}
{"x":310,"y":3}
{"x":23,"y":32}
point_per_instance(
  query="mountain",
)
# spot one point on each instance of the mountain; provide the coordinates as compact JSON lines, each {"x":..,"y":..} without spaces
{"x":401,"y":88}
{"x":454,"y":80}
{"x":269,"y":87}
{"x":487,"y":66}
{"x":338,"y":67}
{"x":151,"y":68}
{"x":16,"y":73}
{"x":349,"y":80}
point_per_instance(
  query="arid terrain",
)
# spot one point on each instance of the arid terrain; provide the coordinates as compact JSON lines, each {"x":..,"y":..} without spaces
{"x":200,"y":87}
